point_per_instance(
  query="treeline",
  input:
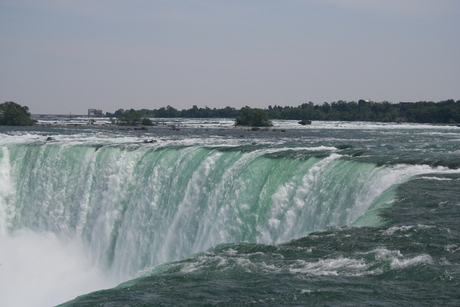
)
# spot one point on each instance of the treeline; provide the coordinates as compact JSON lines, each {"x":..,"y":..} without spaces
{"x":419,"y":112}
{"x":447,"y":111}
{"x":170,"y":112}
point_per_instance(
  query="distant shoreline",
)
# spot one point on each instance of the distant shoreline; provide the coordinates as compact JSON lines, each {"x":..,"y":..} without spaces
{"x":63,"y":115}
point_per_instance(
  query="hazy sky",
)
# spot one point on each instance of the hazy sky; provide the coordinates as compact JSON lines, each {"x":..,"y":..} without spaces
{"x":67,"y":56}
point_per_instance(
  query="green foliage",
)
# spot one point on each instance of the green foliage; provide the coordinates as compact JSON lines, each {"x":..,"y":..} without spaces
{"x":129,"y":118}
{"x":447,"y":111}
{"x":253,"y":117}
{"x":416,"y":112}
{"x":146,"y":122}
{"x":194,"y":112}
{"x":13,"y":114}
{"x":167,"y":112}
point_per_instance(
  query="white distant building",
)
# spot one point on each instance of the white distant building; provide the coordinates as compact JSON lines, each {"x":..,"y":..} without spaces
{"x":94,"y":112}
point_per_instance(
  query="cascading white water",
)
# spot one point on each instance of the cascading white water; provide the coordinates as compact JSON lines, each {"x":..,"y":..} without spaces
{"x":128,"y":208}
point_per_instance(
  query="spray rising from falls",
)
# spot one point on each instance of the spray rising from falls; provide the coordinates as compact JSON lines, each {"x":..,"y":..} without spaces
{"x":134,"y":207}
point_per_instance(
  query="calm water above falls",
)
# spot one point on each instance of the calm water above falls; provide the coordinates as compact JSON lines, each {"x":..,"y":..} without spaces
{"x":329,"y":214}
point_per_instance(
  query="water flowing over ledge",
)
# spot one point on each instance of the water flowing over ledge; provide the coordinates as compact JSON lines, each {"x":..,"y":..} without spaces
{"x":137,"y":207}
{"x":128,"y":206}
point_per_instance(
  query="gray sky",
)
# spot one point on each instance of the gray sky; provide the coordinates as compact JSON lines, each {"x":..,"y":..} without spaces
{"x":67,"y":56}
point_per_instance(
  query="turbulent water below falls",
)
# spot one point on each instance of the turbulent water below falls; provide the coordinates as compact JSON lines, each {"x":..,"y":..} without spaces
{"x":329,"y":214}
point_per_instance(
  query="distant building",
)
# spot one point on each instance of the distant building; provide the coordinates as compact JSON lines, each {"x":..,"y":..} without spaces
{"x":94,"y":112}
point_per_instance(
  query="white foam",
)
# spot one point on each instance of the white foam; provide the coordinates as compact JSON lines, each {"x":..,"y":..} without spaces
{"x":333,"y":266}
{"x":435,"y":178}
{"x":452,"y":248}
{"x":41,"y":270}
{"x":5,"y":187}
{"x":398,"y":260}
{"x":390,"y":231}
{"x":403,"y":263}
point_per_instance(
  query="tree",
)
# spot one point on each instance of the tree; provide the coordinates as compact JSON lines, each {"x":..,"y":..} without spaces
{"x":13,"y":114}
{"x":129,"y":119}
{"x":253,"y":117}
{"x":147,"y":122}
